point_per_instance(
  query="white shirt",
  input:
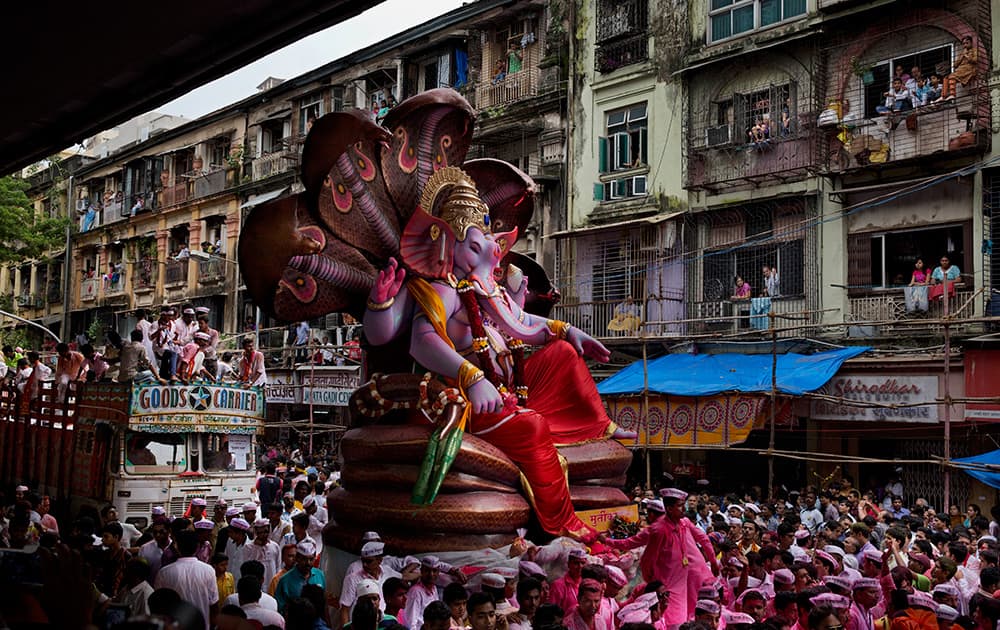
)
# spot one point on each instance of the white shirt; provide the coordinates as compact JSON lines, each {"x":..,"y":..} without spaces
{"x":417,"y":598}
{"x":266,"y":617}
{"x":194,"y":581}
{"x":266,"y":602}
{"x":237,"y":556}
{"x":278,"y":533}
{"x":268,"y":554}
{"x":153,"y":555}
{"x":349,"y":592}
{"x":136,"y":598}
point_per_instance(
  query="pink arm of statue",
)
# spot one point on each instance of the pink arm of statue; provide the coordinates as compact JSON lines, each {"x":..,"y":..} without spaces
{"x":429,"y":350}
{"x":534,"y":330}
{"x":383,"y":326}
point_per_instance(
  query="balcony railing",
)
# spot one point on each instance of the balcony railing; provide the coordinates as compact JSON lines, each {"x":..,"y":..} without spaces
{"x":624,"y":319}
{"x":89,"y":288}
{"x":211,"y":271}
{"x":144,"y":276}
{"x":611,"y":55}
{"x":177,"y":272}
{"x":512,"y":88}
{"x":114,"y":287}
{"x":926,"y":130}
{"x":178,"y":193}
{"x":29,"y":300}
{"x":746,"y":316}
{"x":272,"y":164}
{"x":881,"y":313}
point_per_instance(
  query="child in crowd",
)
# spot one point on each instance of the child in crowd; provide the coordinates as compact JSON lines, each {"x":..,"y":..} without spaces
{"x":933,"y":88}
{"x":897,"y":99}
{"x":921,"y":92}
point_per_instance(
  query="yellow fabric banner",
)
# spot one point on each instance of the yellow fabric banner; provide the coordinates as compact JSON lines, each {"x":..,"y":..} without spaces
{"x":721,"y":420}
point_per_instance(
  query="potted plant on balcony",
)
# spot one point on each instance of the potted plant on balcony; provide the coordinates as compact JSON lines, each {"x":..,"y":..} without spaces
{"x":863,"y":71}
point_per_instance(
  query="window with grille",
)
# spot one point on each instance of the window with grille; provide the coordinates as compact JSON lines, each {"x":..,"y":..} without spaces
{"x":337,"y":98}
{"x":625,"y":146}
{"x":731,"y":18}
{"x":310,"y":108}
{"x":933,"y":61}
{"x":616,"y":274}
{"x":887,"y":259}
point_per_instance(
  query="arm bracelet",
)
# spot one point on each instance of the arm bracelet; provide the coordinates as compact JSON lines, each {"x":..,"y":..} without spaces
{"x":383,"y":306}
{"x":469,"y":375}
{"x":559,"y":329}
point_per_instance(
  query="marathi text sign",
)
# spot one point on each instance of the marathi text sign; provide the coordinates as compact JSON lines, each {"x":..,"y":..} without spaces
{"x":601,"y":519}
{"x":879,"y":390}
{"x":280,"y":387}
{"x":332,"y":387}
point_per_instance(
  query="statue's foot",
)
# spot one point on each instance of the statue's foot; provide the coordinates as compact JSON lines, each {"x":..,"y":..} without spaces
{"x":622,"y":434}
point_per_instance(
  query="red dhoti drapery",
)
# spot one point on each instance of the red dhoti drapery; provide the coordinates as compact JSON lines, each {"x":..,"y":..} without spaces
{"x":564,"y":407}
{"x":561,"y":388}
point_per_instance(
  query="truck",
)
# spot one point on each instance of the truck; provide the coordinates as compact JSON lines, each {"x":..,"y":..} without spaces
{"x":133,"y":445}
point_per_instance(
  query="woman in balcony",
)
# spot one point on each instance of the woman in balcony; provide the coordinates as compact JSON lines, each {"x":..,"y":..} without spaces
{"x":915,"y":294}
{"x":965,"y":70}
{"x":515,"y":58}
{"x":946,"y":271}
{"x":742,"y":291}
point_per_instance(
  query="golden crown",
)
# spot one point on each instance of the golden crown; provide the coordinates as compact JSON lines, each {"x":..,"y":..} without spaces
{"x":462,"y":208}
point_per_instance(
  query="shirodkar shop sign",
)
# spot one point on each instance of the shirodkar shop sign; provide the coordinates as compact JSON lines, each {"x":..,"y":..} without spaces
{"x":880,"y":390}
{"x":331,"y":386}
{"x":280,"y":387}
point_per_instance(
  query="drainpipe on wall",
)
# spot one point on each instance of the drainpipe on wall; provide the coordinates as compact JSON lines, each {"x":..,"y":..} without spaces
{"x":67,"y":258}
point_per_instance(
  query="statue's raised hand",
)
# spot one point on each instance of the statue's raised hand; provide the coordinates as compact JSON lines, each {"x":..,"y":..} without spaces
{"x":485,"y":398}
{"x":388,"y":283}
{"x":588,"y":346}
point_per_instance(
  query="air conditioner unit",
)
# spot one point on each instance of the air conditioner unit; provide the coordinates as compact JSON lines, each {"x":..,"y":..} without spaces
{"x":81,"y":205}
{"x":717,"y":136}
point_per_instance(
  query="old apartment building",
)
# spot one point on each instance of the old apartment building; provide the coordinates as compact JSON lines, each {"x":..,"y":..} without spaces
{"x":715,"y":138}
{"x":158,"y":217}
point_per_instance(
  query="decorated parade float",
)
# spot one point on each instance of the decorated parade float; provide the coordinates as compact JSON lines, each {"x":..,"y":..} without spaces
{"x":480,"y":416}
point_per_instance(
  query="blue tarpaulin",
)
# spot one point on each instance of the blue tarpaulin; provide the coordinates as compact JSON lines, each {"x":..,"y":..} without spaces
{"x":990,"y":478}
{"x":709,"y":374}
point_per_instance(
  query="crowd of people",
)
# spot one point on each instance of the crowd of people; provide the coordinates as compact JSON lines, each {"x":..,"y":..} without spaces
{"x":819,"y":559}
{"x":171,"y":349}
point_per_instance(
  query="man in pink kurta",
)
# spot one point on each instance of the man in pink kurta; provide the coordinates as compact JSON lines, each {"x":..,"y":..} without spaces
{"x":678,"y":554}
{"x":563,"y":591}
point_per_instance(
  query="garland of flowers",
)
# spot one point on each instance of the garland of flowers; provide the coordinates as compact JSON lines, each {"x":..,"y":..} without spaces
{"x":480,"y":341}
{"x":481,"y":345}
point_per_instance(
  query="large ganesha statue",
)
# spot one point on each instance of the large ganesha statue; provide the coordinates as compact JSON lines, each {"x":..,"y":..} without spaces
{"x":481,"y":416}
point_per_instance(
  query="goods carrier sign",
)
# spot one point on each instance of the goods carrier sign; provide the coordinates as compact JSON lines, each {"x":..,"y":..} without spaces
{"x":196,"y":407}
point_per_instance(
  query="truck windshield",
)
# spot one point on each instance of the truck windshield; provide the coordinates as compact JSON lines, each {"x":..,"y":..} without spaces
{"x":155,"y":453}
{"x":226,"y":452}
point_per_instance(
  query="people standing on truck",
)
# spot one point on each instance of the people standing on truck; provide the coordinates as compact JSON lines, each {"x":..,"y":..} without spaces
{"x":251,"y":366}
{"x":193,"y":359}
{"x":165,"y":344}
{"x":39,"y":372}
{"x":146,"y":328}
{"x":69,"y":368}
{"x":22,"y":375}
{"x":134,"y":363}
{"x":94,"y":366}
{"x":186,"y":327}
{"x":211,"y":362}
